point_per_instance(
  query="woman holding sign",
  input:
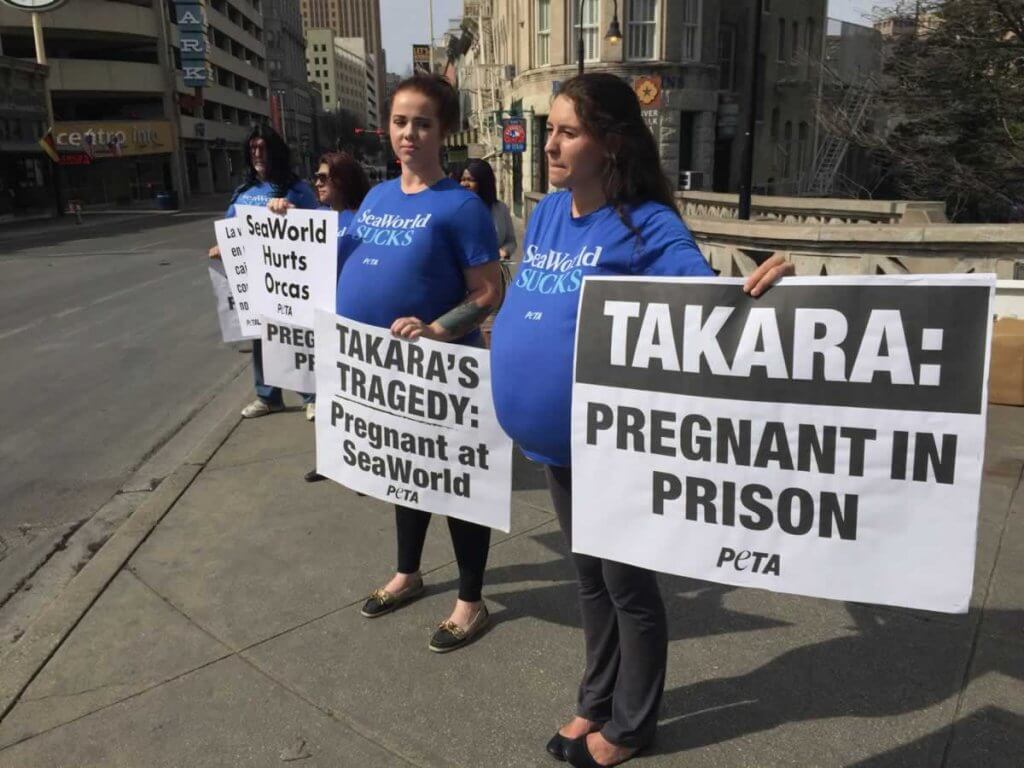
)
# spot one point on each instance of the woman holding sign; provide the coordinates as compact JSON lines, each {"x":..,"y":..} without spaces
{"x":269,"y":176}
{"x":421,"y":258}
{"x":341,"y":185}
{"x":616,"y":216}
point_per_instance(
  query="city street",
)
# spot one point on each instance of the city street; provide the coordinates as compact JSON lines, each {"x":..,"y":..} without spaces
{"x":110,"y":344}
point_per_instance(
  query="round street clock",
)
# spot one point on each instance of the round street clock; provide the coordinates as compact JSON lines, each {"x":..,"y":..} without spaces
{"x":36,"y":6}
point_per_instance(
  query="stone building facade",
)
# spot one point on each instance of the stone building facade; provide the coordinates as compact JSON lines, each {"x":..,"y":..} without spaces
{"x":688,"y":60}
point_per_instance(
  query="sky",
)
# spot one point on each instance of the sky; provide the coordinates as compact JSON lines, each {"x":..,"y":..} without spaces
{"x":404,"y":22}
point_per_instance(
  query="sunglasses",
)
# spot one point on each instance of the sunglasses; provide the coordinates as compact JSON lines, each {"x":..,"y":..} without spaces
{"x":320,"y":178}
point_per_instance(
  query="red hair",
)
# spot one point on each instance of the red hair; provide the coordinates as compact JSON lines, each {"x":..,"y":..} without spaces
{"x":348,"y":177}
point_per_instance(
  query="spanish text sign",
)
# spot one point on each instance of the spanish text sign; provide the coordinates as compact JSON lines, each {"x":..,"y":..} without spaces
{"x":292,"y":261}
{"x":230,"y":329}
{"x":232,"y":254}
{"x":412,"y":423}
{"x":825,"y":439}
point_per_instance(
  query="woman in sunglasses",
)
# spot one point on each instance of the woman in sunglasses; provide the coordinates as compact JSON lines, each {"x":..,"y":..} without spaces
{"x":341,"y":185}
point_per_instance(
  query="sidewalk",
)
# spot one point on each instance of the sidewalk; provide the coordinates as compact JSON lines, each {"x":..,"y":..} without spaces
{"x":232,"y":637}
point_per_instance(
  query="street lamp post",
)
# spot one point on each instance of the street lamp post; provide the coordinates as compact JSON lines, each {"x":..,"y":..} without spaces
{"x":613,"y":35}
{"x":747,"y":164}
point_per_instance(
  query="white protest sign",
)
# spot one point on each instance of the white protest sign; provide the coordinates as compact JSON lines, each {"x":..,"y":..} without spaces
{"x":292,"y":261}
{"x":825,"y":439}
{"x":410,"y":422}
{"x":230,"y":328}
{"x":232,"y":254}
{"x":288,"y":357}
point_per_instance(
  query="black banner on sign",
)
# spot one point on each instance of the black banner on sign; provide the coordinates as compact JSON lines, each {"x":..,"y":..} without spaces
{"x":883,"y":347}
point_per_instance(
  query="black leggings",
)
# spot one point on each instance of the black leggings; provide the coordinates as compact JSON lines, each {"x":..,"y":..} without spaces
{"x":471,"y":543}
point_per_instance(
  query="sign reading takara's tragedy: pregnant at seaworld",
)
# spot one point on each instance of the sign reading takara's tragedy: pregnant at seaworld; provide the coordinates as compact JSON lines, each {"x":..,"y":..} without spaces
{"x":410,"y":422}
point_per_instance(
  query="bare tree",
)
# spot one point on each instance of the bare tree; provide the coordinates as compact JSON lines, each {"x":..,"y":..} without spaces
{"x":953,"y":90}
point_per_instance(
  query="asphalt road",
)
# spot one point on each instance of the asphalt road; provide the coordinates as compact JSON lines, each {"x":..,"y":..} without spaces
{"x":108,"y":344}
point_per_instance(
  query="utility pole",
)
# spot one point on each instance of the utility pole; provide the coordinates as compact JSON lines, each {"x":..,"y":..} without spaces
{"x":579,"y":39}
{"x":37,"y":37}
{"x":179,"y":172}
{"x":747,"y":165}
{"x":430,"y":22}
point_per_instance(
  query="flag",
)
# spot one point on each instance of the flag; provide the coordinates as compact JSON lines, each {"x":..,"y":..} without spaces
{"x":48,"y":145}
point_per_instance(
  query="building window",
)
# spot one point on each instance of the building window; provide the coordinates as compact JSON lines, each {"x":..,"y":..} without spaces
{"x":780,"y":43}
{"x":773,"y":128}
{"x":542,"y":56}
{"x":801,"y":153}
{"x":641,"y":29}
{"x":590,"y":8}
{"x":787,"y":144}
{"x":796,"y":40}
{"x":726,"y":58}
{"x":691,"y":29}
{"x":809,"y":41}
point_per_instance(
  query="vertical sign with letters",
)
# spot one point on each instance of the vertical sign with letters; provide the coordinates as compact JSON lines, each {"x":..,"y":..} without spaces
{"x":192,"y":43}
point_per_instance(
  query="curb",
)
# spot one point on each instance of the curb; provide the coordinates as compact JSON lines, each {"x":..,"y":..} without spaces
{"x":47,"y":632}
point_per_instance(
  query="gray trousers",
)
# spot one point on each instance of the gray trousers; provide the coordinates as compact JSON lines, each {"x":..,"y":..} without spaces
{"x":626,"y":636}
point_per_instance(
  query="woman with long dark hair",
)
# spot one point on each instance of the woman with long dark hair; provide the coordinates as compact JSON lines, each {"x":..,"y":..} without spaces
{"x":268,"y":176}
{"x":478,"y":177}
{"x":422,"y":260}
{"x":616,"y":205}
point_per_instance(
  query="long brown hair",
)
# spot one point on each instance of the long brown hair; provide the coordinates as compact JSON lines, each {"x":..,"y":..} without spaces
{"x":609,"y":111}
{"x":348,"y":178}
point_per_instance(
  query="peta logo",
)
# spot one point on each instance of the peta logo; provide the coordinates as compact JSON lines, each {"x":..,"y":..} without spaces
{"x":763,"y":562}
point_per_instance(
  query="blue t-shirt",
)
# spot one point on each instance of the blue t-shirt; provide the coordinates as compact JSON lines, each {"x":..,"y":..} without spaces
{"x":344,"y":221}
{"x":534,"y":333}
{"x":299,"y":194}
{"x":404,"y":254}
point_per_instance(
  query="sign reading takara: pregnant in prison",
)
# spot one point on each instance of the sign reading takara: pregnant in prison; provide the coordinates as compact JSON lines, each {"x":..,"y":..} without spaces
{"x":410,"y":422}
{"x":232,"y":253}
{"x":825,"y":439}
{"x":292,"y":261}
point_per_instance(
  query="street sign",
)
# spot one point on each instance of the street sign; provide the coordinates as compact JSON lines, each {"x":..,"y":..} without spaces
{"x":513,"y":135}
{"x":648,"y":91}
{"x":421,"y":58}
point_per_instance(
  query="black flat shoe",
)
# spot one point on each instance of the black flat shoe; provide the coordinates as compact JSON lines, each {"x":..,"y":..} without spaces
{"x":557,"y":745}
{"x":381,"y":602}
{"x":578,"y":755}
{"x":450,"y":636}
{"x":313,"y":476}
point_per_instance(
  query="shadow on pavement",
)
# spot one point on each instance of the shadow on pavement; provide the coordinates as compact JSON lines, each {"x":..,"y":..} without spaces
{"x":890,"y":666}
{"x":991,"y":737}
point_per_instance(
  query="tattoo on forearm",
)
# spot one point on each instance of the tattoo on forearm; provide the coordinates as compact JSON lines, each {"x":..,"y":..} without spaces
{"x":463,"y":318}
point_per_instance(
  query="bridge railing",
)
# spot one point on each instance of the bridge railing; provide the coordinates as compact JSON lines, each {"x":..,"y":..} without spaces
{"x":819,"y":247}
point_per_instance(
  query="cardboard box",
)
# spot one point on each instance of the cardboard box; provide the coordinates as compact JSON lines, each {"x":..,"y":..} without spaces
{"x":1006,"y":370}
